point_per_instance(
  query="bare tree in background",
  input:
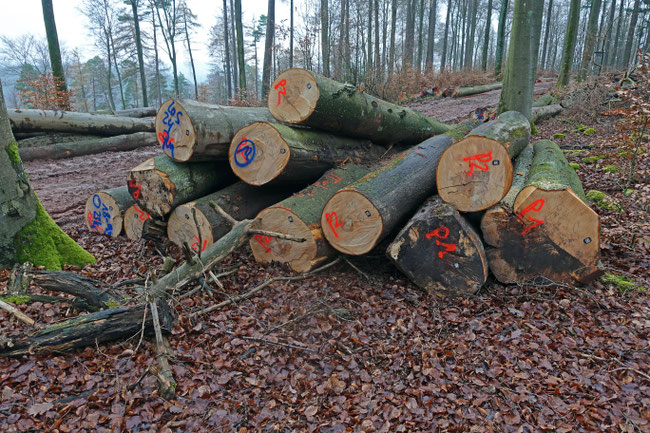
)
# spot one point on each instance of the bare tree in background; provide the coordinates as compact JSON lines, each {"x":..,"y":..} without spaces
{"x":169,"y":30}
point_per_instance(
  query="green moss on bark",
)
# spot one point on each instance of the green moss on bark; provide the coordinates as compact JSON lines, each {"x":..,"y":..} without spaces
{"x":12,"y":150}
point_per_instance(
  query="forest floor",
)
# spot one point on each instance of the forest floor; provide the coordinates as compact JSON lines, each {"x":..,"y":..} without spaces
{"x":359,"y":351}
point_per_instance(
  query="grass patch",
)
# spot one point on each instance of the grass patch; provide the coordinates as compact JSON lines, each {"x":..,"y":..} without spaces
{"x":611,"y":168}
{"x":622,"y":283}
{"x":592,"y":159}
{"x":559,"y":136}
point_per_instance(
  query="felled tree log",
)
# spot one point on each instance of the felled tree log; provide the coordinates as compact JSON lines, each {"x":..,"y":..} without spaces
{"x":87,"y":330}
{"x":46,"y":139}
{"x":545,"y":112}
{"x":300,"y":216}
{"x":193,"y":131}
{"x":82,"y":123}
{"x":364,"y":212}
{"x":440,"y":251}
{"x":105,"y":210}
{"x":91,"y":293}
{"x":298,"y":96}
{"x":159,"y":184}
{"x":119,"y":143}
{"x":476,"y":172}
{"x":138,"y":225}
{"x":458,"y":92}
{"x":546,"y":99}
{"x":199,"y":225}
{"x":263,"y":152}
{"x":137,"y":112}
{"x":543,"y":227}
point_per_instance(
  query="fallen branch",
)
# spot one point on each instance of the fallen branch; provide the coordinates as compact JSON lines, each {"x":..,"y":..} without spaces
{"x":18,"y":314}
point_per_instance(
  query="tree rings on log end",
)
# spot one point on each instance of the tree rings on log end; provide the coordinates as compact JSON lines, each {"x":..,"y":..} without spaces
{"x":134,"y":219}
{"x":351,"y":223}
{"x":474,"y":174}
{"x":175,"y":131}
{"x":182,"y":227}
{"x":103,"y":214}
{"x":564,"y":218}
{"x":151,"y":188}
{"x":293,"y":96}
{"x":301,"y":256}
{"x":258,"y":153}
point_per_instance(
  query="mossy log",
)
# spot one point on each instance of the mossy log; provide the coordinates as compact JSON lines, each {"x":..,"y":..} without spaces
{"x":263,"y":152}
{"x":546,"y":99}
{"x":91,"y":293}
{"x":199,"y":225}
{"x":159,"y":184}
{"x":440,"y":251}
{"x":298,"y":96}
{"x":23,"y":120}
{"x":88,"y":330}
{"x":364,"y":212}
{"x":300,"y":216}
{"x":458,"y":92}
{"x":138,"y":225}
{"x":119,"y":143}
{"x":542,"y":227}
{"x":475,"y":173}
{"x":193,"y":131}
{"x":544,"y":112}
{"x":104,"y":212}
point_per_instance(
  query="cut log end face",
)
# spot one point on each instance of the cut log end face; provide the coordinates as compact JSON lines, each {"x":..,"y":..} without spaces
{"x":293,"y":96}
{"x":563,"y":218}
{"x":182,"y":227}
{"x":301,"y":256}
{"x":258,"y":153}
{"x":175,"y":131}
{"x":134,"y":219}
{"x":152,"y":189}
{"x":351,"y":223}
{"x":103,"y":215}
{"x":474,"y":174}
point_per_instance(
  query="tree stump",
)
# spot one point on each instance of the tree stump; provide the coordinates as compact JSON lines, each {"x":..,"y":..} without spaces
{"x":105,"y":210}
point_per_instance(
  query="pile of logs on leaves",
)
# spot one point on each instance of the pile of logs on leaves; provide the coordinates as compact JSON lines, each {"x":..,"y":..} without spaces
{"x":327,"y":169}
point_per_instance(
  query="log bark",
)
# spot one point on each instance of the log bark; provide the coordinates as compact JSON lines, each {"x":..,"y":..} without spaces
{"x":302,"y":97}
{"x":119,"y":143}
{"x":541,"y":113}
{"x":263,"y":152}
{"x":364,"y":212}
{"x":300,"y":216}
{"x":138,"y":225}
{"x":90,"y":293}
{"x":159,"y":184}
{"x":458,"y":92}
{"x":546,"y":99}
{"x":104,"y":212}
{"x":193,"y":131}
{"x":48,"y":139}
{"x":440,"y":251}
{"x":81,"y":123}
{"x":542,"y":227}
{"x":137,"y":112}
{"x":475,"y":173}
{"x":199,"y":225}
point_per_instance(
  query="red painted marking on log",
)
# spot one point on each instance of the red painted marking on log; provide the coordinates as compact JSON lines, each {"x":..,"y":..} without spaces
{"x":481,"y":157}
{"x":285,"y":208}
{"x":134,"y":188}
{"x":441,"y":232}
{"x":282,"y":91}
{"x":143,"y":215}
{"x":335,"y":178}
{"x":262,"y":240}
{"x":419,"y":154}
{"x":448,"y":248}
{"x":535,"y":206}
{"x":333,"y":218}
{"x":195,"y":245}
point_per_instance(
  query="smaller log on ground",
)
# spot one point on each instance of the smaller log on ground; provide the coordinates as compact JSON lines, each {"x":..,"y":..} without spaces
{"x":440,"y":251}
{"x":476,"y":172}
{"x":546,"y":99}
{"x":82,"y":123}
{"x":360,"y":215}
{"x":300,"y":216}
{"x":137,"y":112}
{"x":193,"y":131}
{"x":544,"y":112}
{"x":91,"y":294}
{"x":105,"y":210}
{"x":302,"y":97}
{"x":262,"y":152}
{"x":54,"y":138}
{"x":475,"y":90}
{"x":119,"y":143}
{"x":159,"y":184}
{"x":199,"y":225}
{"x":138,"y":225}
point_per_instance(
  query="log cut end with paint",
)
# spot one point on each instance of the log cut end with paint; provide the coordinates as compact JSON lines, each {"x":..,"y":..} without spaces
{"x":293,"y":96}
{"x":134,"y":221}
{"x":105,"y":210}
{"x":188,"y":224}
{"x":174,"y":130}
{"x":151,"y":188}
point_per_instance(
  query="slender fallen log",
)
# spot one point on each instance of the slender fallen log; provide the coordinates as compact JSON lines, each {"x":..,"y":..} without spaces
{"x":360,"y":215}
{"x":163,"y":353}
{"x":539,"y":114}
{"x":82,"y":123}
{"x":300,"y":216}
{"x":104,"y":212}
{"x":137,"y":112}
{"x":119,"y":143}
{"x":546,"y":99}
{"x":48,"y":139}
{"x":475,"y":173}
{"x":440,"y":251}
{"x":17,"y":314}
{"x":263,"y":152}
{"x":193,"y":131}
{"x":199,"y":225}
{"x":303,"y":97}
{"x":91,"y":294}
{"x":159,"y":184}
{"x":458,"y":92}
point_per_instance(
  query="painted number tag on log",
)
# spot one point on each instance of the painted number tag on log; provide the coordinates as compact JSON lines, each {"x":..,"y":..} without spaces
{"x":482,"y":158}
{"x":282,"y":91}
{"x":172,"y":117}
{"x":102,"y":212}
{"x":142,"y":214}
{"x":535,"y":206}
{"x":244,"y":153}
{"x":134,"y":189}
{"x":333,"y":221}
{"x":263,"y":241}
{"x":442,"y":232}
{"x":195,"y":245}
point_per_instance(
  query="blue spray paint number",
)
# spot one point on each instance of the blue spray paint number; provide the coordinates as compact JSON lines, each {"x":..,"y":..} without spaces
{"x":244,"y":153}
{"x":169,"y":121}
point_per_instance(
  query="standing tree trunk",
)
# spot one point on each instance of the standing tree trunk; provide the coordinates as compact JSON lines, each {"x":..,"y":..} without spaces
{"x":619,"y":25}
{"x":27,"y":233}
{"x":233,"y":48}
{"x":240,"y":46}
{"x":227,"y":37}
{"x":138,"y":45}
{"x":443,"y":60}
{"x":501,"y":37}
{"x":486,"y":37}
{"x":189,"y":49}
{"x":369,"y":56}
{"x":393,"y":23}
{"x":155,"y":50}
{"x":608,"y":33}
{"x":325,"y":39}
{"x":471,"y":25}
{"x":547,"y":33}
{"x":433,"y":17}
{"x":627,"y":53}
{"x":569,"y":44}
{"x":377,"y":51}
{"x":418,"y":60}
{"x":291,"y":36}
{"x":590,"y":42}
{"x":410,"y":34}
{"x":53,"y":46}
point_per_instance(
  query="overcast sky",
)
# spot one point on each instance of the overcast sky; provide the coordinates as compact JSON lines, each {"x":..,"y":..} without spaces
{"x":26,"y":16}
